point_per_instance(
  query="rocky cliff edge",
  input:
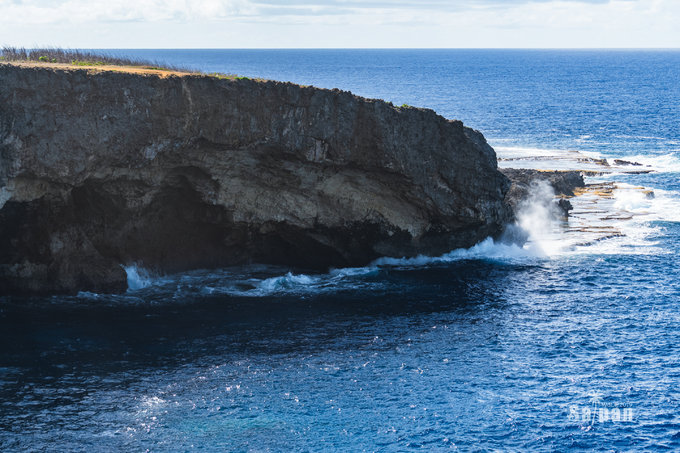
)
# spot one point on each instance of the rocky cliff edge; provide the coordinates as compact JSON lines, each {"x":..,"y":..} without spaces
{"x":100,"y":169}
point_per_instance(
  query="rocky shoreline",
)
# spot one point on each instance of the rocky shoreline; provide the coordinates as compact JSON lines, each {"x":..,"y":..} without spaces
{"x":103,"y":169}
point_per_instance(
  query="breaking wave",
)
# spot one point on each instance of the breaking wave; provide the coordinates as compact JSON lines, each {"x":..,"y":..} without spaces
{"x":663,"y":163}
{"x":138,"y":277}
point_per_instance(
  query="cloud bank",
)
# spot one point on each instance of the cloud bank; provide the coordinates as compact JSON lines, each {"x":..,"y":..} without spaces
{"x":341,"y":23}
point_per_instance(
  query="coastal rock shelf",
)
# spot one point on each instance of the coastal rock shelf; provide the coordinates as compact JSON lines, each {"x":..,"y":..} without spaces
{"x":566,"y":160}
{"x":100,"y":169}
{"x":594,"y":209}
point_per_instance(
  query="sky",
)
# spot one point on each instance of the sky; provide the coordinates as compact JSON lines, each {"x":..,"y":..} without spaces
{"x":341,"y":23}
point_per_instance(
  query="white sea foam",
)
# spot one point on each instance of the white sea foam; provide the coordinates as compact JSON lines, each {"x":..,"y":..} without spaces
{"x":648,"y":205}
{"x":640,"y":209}
{"x":632,"y":200}
{"x":348,"y":278}
{"x":487,"y":249}
{"x":547,"y":159}
{"x":664,"y":163}
{"x":287,"y":281}
{"x":560,"y":159}
{"x":137,"y":277}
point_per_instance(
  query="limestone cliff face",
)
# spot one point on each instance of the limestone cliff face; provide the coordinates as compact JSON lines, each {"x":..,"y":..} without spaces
{"x":108,"y":168}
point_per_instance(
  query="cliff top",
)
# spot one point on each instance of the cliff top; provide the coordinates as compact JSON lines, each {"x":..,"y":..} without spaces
{"x":144,"y":70}
{"x":66,"y":59}
{"x":151,"y":69}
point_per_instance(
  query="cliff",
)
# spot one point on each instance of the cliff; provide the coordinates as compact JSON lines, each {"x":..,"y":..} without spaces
{"x":101,"y":168}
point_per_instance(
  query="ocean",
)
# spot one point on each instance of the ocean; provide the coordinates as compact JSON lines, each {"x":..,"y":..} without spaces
{"x":569,"y":343}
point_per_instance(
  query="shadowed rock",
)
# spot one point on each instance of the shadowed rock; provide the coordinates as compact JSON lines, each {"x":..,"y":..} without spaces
{"x":626,"y":162}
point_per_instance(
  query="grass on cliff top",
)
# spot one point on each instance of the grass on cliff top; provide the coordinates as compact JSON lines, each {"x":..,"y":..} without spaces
{"x":86,"y":58}
{"x":75,"y":57}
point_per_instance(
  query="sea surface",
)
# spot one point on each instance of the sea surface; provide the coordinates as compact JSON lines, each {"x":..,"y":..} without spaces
{"x":568,"y":343}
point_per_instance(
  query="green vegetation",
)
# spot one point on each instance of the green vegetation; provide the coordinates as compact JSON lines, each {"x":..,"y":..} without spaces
{"x":405,"y":106}
{"x":87,"y":63}
{"x":219,"y":75}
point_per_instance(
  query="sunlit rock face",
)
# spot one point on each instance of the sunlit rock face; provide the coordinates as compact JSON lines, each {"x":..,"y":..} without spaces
{"x":103,"y":169}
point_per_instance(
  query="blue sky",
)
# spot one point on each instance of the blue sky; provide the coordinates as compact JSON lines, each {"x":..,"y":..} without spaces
{"x":340,"y":23}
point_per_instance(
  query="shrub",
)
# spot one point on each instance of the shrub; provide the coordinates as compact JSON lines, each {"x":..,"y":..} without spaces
{"x":219,"y":75}
{"x":87,"y":63}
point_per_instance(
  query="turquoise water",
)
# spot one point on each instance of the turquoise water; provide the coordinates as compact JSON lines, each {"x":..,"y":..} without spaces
{"x":494,"y":348}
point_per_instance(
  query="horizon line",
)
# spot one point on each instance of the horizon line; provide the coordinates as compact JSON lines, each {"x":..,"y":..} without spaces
{"x":347,"y":48}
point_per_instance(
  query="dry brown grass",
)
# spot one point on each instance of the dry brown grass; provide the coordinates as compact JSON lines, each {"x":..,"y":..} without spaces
{"x":105,"y":67}
{"x":78,"y":59}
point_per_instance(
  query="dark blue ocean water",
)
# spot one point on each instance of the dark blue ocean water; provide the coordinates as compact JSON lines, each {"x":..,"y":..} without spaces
{"x":494,"y":348}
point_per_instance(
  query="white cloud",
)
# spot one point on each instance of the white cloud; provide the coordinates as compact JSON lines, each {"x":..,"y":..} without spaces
{"x":83,"y":11}
{"x":341,"y":23}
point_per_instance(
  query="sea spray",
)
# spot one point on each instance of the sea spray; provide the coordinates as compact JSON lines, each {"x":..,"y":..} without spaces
{"x":539,"y":216}
{"x":137,"y":277}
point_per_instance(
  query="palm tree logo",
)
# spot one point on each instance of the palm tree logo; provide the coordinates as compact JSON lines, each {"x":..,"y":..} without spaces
{"x":595,"y":398}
